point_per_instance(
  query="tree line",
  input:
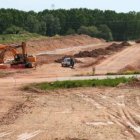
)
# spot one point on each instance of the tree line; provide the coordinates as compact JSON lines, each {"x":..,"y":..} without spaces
{"x":109,"y":25}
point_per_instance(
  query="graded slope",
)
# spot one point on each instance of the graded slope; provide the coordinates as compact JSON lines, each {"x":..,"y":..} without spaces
{"x":53,"y":43}
{"x":118,"y":61}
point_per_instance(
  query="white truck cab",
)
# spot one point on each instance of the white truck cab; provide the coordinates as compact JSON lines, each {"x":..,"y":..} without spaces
{"x":67,"y":62}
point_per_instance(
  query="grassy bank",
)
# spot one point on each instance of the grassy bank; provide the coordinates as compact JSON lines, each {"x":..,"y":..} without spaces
{"x":79,"y":83}
{"x":125,"y":73}
{"x":12,"y":38}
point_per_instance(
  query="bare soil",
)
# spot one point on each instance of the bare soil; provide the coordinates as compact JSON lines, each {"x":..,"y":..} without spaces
{"x":54,"y":43}
{"x":129,"y":56}
{"x":74,"y":114}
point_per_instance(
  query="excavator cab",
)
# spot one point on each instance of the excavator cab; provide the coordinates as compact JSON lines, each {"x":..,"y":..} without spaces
{"x":20,"y":59}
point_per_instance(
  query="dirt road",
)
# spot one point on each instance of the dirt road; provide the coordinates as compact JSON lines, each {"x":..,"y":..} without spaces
{"x":99,"y":113}
{"x":89,"y":113}
{"x":25,"y":80}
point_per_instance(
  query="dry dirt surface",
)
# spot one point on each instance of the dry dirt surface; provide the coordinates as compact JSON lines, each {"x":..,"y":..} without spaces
{"x":74,"y":114}
{"x":53,"y":43}
{"x":115,"y":63}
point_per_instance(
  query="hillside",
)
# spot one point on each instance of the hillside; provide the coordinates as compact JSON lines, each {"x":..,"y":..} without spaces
{"x":59,"y":42}
{"x":128,"y":59}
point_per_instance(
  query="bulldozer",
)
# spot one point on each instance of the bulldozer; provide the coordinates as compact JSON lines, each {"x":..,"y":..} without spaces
{"x":20,"y":59}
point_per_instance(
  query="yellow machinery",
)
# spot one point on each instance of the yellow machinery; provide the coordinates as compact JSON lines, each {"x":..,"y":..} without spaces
{"x":22,"y":59}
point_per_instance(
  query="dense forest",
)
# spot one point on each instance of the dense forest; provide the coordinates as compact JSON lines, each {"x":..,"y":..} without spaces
{"x":97,"y":23}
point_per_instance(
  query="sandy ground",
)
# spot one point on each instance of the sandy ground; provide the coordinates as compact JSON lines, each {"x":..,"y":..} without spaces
{"x":129,"y":56}
{"x":89,"y":113}
{"x":53,"y":43}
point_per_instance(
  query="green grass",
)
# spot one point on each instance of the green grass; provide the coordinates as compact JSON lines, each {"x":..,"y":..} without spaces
{"x":13,"y":38}
{"x":125,"y":73}
{"x":78,"y":83}
{"x":131,"y":72}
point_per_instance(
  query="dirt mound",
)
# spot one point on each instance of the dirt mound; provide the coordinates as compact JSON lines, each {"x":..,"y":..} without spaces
{"x":70,"y":139}
{"x":118,"y":47}
{"x":128,"y":68}
{"x":101,"y":51}
{"x":93,"y":63}
{"x":137,"y":41}
{"x":135,"y":83}
{"x":62,"y":58}
{"x":52,"y":43}
{"x":124,"y":61}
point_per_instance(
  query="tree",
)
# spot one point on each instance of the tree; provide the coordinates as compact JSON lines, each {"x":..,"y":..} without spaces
{"x":122,"y":26}
{"x":70,"y":31}
{"x":14,"y":30}
{"x":105,"y":32}
{"x":32,"y":24}
{"x":52,"y":25}
{"x":90,"y":30}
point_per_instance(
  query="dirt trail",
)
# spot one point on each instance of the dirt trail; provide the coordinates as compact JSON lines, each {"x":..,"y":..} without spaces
{"x":77,"y":113}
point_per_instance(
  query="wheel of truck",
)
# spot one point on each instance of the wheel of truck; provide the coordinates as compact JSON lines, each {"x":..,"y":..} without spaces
{"x":62,"y":65}
{"x":28,"y":65}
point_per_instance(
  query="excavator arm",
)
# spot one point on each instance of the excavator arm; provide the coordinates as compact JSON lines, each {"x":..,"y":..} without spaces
{"x":6,"y":48}
{"x":19,"y":58}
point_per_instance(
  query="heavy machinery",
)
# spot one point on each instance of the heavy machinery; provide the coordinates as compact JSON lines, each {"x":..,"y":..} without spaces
{"x":20,"y":59}
{"x":68,"y":62}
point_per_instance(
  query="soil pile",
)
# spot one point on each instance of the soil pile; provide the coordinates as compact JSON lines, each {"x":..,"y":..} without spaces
{"x":101,"y":51}
{"x":135,"y":83}
{"x":137,"y":41}
{"x":130,"y":68}
{"x":52,"y":43}
{"x":62,"y":58}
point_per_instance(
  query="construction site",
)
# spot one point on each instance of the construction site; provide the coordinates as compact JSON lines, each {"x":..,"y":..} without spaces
{"x":83,"y":113}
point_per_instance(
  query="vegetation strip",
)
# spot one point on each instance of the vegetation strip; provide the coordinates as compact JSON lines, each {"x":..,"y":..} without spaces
{"x":78,"y":83}
{"x":10,"y":38}
{"x":109,"y":25}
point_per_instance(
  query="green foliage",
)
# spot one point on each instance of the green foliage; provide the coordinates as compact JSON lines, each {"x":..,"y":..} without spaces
{"x":102,"y":31}
{"x":52,"y":24}
{"x":10,"y":38}
{"x":90,"y":30}
{"x":14,"y":30}
{"x":125,"y":73}
{"x":79,"y":83}
{"x":70,"y":31}
{"x":111,"y":25}
{"x":105,"y":32}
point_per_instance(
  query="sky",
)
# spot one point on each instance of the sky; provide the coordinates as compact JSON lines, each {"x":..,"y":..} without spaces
{"x":39,"y":5}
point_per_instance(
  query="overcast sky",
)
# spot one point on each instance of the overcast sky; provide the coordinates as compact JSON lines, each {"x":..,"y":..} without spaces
{"x":39,"y":5}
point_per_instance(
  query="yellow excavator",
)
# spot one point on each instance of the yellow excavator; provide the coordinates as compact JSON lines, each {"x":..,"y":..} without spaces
{"x":20,"y":59}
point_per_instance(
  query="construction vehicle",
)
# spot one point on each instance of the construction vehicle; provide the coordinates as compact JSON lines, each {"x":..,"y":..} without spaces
{"x":68,"y":62}
{"x":20,"y":59}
